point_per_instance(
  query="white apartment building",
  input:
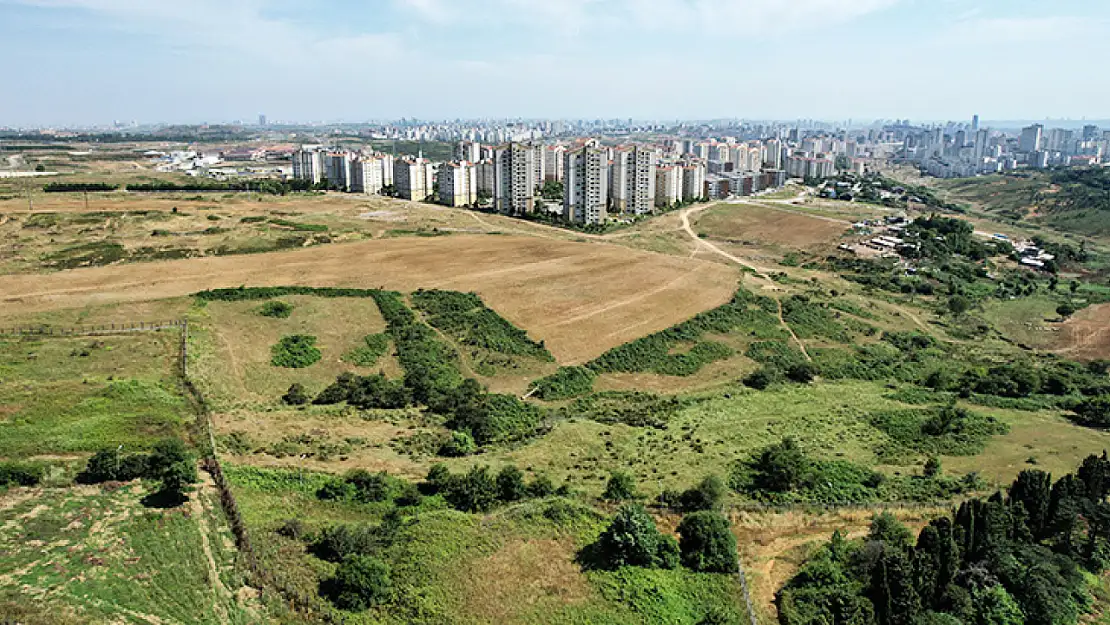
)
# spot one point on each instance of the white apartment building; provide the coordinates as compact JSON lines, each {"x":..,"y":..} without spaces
{"x":640,"y":196}
{"x":308,"y":164}
{"x":553,"y":156}
{"x":514,"y":179}
{"x":772,"y":154}
{"x":413,"y":178}
{"x":668,"y":185}
{"x":458,"y":184}
{"x":367,"y":175}
{"x":469,"y":151}
{"x":618,"y":180}
{"x":586,"y":186}
{"x":693,"y":182}
{"x":540,"y":164}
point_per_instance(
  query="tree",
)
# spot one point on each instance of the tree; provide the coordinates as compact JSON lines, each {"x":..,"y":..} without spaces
{"x":1065,"y":310}
{"x":296,"y":395}
{"x":173,"y":465}
{"x":892,"y":588}
{"x":1032,"y":490}
{"x":510,"y":484}
{"x":633,"y":540}
{"x":111,"y":465}
{"x":707,"y":495}
{"x":782,"y":467}
{"x":932,"y":467}
{"x":460,"y":444}
{"x":620,"y":487}
{"x":541,"y":486}
{"x":995,"y":606}
{"x":369,"y":487}
{"x":474,"y":492}
{"x":359,"y":583}
{"x":889,"y":530}
{"x":802,"y":372}
{"x":706,"y":543}
{"x":958,"y":305}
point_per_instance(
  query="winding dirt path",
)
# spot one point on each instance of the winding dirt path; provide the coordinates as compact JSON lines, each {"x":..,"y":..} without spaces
{"x":760,"y":272}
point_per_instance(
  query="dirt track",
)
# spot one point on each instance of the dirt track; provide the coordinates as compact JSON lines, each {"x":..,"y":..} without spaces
{"x":612,"y":294}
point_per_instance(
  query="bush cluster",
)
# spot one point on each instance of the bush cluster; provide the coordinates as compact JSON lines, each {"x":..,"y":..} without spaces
{"x":374,"y":347}
{"x":565,"y":383}
{"x":295,"y":351}
{"x":465,"y":318}
{"x":277,"y":309}
{"x":79,"y":187}
{"x":21,"y":473}
{"x":169,"y":462}
{"x":365,"y":392}
{"x":480,"y":490}
{"x":634,"y":408}
{"x":655,"y":352}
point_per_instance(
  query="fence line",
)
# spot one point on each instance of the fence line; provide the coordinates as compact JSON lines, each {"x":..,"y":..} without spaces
{"x":106,"y":329}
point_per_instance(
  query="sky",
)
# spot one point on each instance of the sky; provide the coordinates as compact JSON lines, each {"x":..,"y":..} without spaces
{"x":84,"y":62}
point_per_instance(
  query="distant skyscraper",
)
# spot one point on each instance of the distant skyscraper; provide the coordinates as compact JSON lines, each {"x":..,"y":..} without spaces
{"x":514,"y":179}
{"x":974,"y":123}
{"x":1032,"y":137}
{"x":261,"y":120}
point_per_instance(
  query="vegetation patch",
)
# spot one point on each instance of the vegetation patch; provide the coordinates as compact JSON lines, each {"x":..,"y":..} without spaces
{"x":942,"y":431}
{"x":367,"y":355}
{"x":637,"y":409}
{"x":565,"y":383}
{"x":92,"y":254}
{"x":277,"y":309}
{"x":296,"y":351}
{"x":755,"y":315}
{"x":466,"y":319}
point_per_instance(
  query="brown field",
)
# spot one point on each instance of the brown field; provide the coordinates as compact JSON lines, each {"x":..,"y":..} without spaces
{"x":763,"y":225}
{"x":581,"y":298}
{"x":1086,"y":336}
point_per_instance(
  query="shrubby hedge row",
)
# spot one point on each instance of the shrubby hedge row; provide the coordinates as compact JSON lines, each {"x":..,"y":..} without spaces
{"x":565,"y":383}
{"x":464,"y":317}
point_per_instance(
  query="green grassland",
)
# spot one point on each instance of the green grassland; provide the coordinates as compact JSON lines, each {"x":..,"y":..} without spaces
{"x":74,"y":395}
{"x":516,"y":564}
{"x":93,"y":555}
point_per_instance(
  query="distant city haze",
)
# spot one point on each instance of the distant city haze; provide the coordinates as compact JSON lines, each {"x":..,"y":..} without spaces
{"x":79,"y":63}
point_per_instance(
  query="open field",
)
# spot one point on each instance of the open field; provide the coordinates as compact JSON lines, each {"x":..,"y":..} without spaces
{"x":515,"y":565}
{"x":763,"y":225}
{"x":73,"y":395}
{"x":88,"y":554}
{"x":552,"y":288}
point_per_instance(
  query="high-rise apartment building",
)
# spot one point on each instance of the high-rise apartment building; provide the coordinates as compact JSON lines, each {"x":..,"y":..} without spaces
{"x":668,"y":185}
{"x":413,"y":178}
{"x":486,"y":177}
{"x":458,"y":184}
{"x":640,"y":181}
{"x":366,"y":175}
{"x":469,"y":151}
{"x":308,"y":164}
{"x":514,"y":179}
{"x":553,"y":163}
{"x":693,"y":182}
{"x":586,"y":187}
{"x":772,"y":154}
{"x":337,"y":170}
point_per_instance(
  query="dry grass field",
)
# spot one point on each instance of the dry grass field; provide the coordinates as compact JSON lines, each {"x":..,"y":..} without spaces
{"x":766,"y":226}
{"x":1086,"y":336}
{"x":580,"y":298}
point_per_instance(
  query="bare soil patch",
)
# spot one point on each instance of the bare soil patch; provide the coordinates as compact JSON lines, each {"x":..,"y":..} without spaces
{"x":1086,"y":336}
{"x":749,"y":223}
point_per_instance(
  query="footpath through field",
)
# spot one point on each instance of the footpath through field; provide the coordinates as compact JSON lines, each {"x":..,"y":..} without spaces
{"x":759,"y":272}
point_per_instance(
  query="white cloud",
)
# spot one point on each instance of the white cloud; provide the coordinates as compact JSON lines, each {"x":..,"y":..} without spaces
{"x":991,"y":31}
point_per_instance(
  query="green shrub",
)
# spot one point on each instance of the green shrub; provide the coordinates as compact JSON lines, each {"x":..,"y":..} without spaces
{"x":111,"y":465}
{"x":709,"y":494}
{"x":1093,"y":413}
{"x":299,"y":227}
{"x":632,"y":539}
{"x":474,"y":492}
{"x":633,"y":408}
{"x":763,"y":378}
{"x":565,"y":383}
{"x":757,"y":315}
{"x":510,"y":484}
{"x":367,"y":355}
{"x":365,"y":392}
{"x":21,"y":474}
{"x":359,"y":583}
{"x":295,"y":352}
{"x":458,"y":445}
{"x":492,"y":418}
{"x":296,"y":395}
{"x":948,"y":430}
{"x":277,"y":309}
{"x":620,"y":487}
{"x":707,"y":544}
{"x":465,"y":318}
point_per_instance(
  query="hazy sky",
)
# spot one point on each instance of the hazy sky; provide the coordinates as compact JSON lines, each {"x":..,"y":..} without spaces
{"x":92,"y":61}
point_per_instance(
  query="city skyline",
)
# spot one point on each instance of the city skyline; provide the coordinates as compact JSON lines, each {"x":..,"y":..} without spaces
{"x":179,"y":62}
